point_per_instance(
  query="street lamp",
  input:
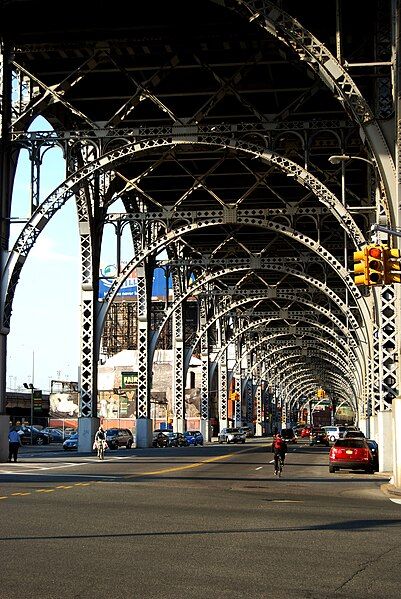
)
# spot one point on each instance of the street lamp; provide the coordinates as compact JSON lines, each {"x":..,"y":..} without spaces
{"x":345,"y":157}
{"x":31,"y":387}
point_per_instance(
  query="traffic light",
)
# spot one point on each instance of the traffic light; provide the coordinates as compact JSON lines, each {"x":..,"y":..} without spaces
{"x":321,"y":393}
{"x":375,"y":264}
{"x":392,"y":269}
{"x":361,"y":266}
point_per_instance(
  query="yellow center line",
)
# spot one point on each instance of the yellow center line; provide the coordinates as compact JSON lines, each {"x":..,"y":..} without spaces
{"x":139,"y":474}
{"x":187,"y":466}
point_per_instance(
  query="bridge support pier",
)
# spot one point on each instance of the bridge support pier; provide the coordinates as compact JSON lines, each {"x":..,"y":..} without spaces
{"x":373,"y":427}
{"x":87,"y":428}
{"x":364,"y":425}
{"x":143,"y":432}
{"x":179,"y":425}
{"x":205,"y":429}
{"x":385,"y":440}
{"x":396,"y":413}
{"x":4,"y":428}
{"x":258,"y":429}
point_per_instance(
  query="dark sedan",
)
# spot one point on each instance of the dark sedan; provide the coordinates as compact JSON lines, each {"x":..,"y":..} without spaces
{"x":71,"y":443}
{"x":288,"y":435}
{"x":318,"y":437}
{"x":30,"y":434}
{"x":176,"y":439}
{"x":160,"y":439}
{"x":374,"y":450}
{"x":56,"y":435}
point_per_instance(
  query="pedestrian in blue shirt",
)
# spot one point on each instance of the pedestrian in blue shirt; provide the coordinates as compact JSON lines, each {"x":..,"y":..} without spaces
{"x":14,"y":442}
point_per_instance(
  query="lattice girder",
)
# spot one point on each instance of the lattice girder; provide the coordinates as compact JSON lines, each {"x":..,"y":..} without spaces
{"x":291,"y":33}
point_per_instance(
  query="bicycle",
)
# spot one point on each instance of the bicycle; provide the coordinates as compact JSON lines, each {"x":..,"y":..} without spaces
{"x":100,"y":450}
{"x":278,"y":465}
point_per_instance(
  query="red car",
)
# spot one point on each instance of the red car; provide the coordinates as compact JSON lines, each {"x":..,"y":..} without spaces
{"x":351,"y":454}
{"x":305,"y":432}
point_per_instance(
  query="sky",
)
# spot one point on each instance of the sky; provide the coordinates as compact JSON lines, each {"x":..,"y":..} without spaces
{"x":43,"y":343}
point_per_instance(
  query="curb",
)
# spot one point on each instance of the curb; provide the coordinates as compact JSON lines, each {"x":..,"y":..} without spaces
{"x":391,"y":491}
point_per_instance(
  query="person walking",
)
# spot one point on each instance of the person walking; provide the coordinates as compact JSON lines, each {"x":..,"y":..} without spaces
{"x":100,"y":442}
{"x":14,"y":442}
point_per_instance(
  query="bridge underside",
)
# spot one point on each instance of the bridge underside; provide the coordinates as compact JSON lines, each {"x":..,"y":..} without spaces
{"x":213,"y":123}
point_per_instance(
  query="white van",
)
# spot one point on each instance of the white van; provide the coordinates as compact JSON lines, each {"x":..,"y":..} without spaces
{"x":335,"y":432}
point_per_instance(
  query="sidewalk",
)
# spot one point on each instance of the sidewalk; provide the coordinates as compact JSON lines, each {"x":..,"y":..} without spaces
{"x":389,"y":489}
{"x":25,"y":449}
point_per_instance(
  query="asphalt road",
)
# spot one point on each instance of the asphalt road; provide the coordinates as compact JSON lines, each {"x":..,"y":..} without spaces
{"x":195,"y":522}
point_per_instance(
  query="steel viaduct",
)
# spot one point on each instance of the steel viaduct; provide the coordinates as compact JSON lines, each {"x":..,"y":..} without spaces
{"x":213,"y":121}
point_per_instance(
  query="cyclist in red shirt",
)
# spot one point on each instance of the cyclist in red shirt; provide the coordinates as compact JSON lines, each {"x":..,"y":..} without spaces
{"x":279,"y":448}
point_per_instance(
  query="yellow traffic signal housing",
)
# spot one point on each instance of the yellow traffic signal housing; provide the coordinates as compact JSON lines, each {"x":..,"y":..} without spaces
{"x":361,"y":266}
{"x":321,"y":393}
{"x":375,"y":264}
{"x":392,"y":267}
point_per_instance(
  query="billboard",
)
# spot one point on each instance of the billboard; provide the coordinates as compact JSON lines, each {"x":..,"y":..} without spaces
{"x":130,"y":286}
{"x":129,"y":380}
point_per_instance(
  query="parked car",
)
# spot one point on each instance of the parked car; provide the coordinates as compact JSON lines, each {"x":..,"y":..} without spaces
{"x":351,"y":454}
{"x":335,"y":432}
{"x":194,"y":437}
{"x":119,"y":437}
{"x":374,"y":450}
{"x":231,"y":435}
{"x":56,"y":435}
{"x":319,"y":437}
{"x":30,"y":434}
{"x":71,"y":443}
{"x":248,"y":430}
{"x":176,"y":439}
{"x":354,"y":434}
{"x":160,"y":439}
{"x":305,"y":432}
{"x":163,"y":430}
{"x":288,"y":435}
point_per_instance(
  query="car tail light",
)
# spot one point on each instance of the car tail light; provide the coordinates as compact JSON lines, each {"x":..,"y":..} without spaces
{"x":362,"y":453}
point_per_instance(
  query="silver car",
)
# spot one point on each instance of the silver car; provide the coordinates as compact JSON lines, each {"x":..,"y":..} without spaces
{"x":231,"y":435}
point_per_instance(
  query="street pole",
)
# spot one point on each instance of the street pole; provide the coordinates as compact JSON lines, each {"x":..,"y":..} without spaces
{"x":31,"y":413}
{"x":32,"y":389}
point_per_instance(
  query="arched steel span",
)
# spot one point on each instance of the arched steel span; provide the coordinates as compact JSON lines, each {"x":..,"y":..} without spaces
{"x":279,"y":332}
{"x":301,"y":365}
{"x":258,"y":343}
{"x":309,"y":373}
{"x":269,"y":368}
{"x":301,"y":382}
{"x":285,"y":386}
{"x":57,"y":199}
{"x":309,"y":49}
{"x":281,"y":314}
{"x":321,"y":353}
{"x":289,"y":330}
{"x":306,"y":387}
{"x":282,"y":345}
{"x":203,"y":280}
